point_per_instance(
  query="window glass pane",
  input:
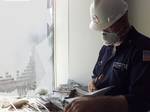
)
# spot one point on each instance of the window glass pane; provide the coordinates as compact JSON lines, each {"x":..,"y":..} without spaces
{"x":16,"y":0}
{"x":26,"y":45}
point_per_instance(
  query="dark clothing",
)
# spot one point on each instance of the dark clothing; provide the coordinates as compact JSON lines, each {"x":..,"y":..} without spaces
{"x":128,"y":69}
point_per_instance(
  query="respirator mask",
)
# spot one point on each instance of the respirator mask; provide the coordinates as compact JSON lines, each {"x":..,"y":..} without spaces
{"x":110,"y":38}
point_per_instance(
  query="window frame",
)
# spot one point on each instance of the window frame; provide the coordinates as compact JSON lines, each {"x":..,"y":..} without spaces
{"x":61,"y":41}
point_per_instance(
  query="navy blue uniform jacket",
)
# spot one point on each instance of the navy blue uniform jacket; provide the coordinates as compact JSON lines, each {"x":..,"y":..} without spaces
{"x":128,"y":69}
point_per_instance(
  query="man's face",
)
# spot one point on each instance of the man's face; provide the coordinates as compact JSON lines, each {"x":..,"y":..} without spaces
{"x":118,"y":25}
{"x":113,"y":28}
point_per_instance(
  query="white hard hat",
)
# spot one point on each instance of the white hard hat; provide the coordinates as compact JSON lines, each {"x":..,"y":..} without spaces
{"x":104,"y":13}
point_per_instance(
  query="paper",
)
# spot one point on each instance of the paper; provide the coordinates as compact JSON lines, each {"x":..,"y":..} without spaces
{"x":99,"y":92}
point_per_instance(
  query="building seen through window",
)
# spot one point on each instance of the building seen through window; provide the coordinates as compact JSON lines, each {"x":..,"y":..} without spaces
{"x":26,"y":46}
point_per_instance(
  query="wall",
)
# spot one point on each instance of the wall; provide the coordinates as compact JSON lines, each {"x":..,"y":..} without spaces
{"x":139,"y":15}
{"x":84,"y":44}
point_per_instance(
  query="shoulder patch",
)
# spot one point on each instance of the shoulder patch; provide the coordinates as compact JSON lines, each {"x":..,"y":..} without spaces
{"x":146,"y":55}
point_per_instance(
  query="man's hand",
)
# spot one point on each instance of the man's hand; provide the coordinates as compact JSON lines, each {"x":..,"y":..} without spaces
{"x":91,"y":86}
{"x":82,"y":104}
{"x":98,"y":104}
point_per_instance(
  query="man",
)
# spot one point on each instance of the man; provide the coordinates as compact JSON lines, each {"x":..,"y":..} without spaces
{"x":123,"y":62}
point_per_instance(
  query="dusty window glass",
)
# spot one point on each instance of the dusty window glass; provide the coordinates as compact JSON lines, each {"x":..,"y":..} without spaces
{"x":26,"y":46}
{"x":16,"y":0}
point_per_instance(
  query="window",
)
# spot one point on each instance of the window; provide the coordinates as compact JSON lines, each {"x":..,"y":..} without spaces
{"x":16,"y":0}
{"x":26,"y":46}
{"x":62,"y":41}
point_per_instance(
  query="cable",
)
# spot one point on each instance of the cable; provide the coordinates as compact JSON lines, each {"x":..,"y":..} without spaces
{"x":33,"y":107}
{"x":42,"y":105}
{"x":13,"y":105}
{"x":37,"y":108}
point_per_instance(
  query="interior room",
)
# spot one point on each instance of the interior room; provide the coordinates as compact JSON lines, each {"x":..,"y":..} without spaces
{"x":49,"y":53}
